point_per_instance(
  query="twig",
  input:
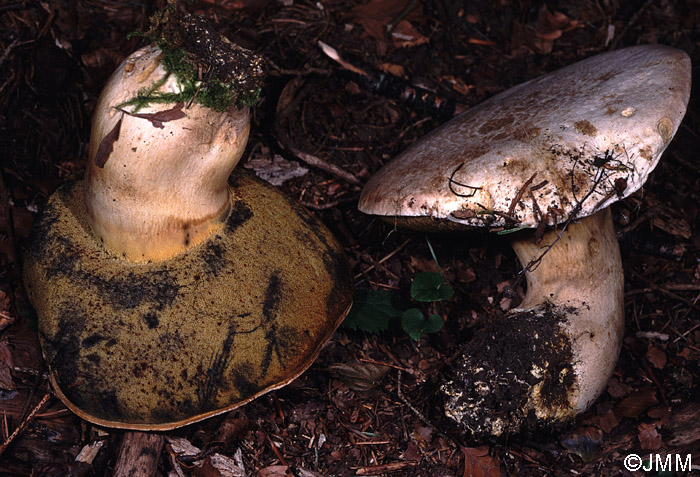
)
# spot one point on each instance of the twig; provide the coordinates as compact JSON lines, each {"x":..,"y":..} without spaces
{"x":420,"y":415}
{"x":387,"y":257}
{"x":319,"y":163}
{"x":386,"y":468}
{"x":328,"y":205}
{"x":519,"y":194}
{"x":24,"y":423}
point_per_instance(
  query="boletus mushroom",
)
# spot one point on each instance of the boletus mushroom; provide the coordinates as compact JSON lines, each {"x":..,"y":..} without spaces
{"x":166,"y":290}
{"x":550,"y":154}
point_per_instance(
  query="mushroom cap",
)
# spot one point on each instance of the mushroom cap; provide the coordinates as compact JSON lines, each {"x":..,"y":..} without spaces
{"x":154,"y":346}
{"x":567,"y":143}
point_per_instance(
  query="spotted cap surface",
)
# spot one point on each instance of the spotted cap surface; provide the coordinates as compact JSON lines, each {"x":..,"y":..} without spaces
{"x":156,"y":346}
{"x":568,"y":143}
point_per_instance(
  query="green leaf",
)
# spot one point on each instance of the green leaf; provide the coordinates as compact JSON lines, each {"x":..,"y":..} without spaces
{"x":430,"y":286}
{"x":434,"y":324}
{"x":414,"y":324}
{"x":371,"y":311}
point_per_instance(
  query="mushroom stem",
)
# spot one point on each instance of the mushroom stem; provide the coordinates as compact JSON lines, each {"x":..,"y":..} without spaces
{"x":156,"y":184}
{"x":581,"y":276}
{"x":565,"y":335}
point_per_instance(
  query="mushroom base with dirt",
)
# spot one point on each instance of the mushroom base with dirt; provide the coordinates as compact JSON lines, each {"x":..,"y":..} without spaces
{"x":550,"y":358}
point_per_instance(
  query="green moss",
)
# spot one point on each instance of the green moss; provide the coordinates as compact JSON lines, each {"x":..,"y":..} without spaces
{"x":230,"y":75}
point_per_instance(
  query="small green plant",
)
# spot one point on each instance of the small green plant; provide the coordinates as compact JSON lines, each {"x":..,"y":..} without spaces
{"x":373,"y":310}
{"x":210,"y":70}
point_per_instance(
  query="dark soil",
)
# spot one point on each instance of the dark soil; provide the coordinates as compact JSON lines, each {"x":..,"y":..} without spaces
{"x":488,"y":387}
{"x":371,"y":404}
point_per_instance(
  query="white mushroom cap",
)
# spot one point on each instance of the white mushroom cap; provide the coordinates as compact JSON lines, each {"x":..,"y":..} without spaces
{"x":580,"y":129}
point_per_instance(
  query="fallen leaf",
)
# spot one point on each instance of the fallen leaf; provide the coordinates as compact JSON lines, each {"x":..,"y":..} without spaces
{"x":107,"y":145}
{"x":478,"y":462}
{"x":606,"y":423}
{"x":276,"y":170}
{"x":649,"y":437}
{"x":617,"y":389}
{"x":160,"y":117}
{"x":405,"y":35}
{"x":393,"y":69}
{"x":662,"y":414}
{"x":412,"y":452}
{"x":377,"y":15}
{"x":361,"y":377}
{"x":637,"y":402}
{"x":656,"y":357}
{"x":549,"y":25}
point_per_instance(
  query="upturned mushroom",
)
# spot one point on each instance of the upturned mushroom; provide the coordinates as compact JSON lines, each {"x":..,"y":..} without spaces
{"x":164,"y":294}
{"x":550,"y":154}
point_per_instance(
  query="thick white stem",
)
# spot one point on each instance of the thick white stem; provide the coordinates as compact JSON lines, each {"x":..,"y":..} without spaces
{"x":163,"y":187}
{"x":581,"y":276}
{"x":550,"y":358}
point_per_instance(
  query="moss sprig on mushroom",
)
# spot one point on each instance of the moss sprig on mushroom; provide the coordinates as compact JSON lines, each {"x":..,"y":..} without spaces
{"x":210,"y":70}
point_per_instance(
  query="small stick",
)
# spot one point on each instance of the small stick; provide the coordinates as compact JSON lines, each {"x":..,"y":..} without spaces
{"x":319,"y":163}
{"x":24,"y":423}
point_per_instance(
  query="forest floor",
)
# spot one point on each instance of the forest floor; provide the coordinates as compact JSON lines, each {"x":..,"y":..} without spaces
{"x":370,"y":404}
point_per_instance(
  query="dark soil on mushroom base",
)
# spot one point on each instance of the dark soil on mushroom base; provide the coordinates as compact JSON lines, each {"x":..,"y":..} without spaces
{"x":54,"y":59}
{"x":489,"y":386}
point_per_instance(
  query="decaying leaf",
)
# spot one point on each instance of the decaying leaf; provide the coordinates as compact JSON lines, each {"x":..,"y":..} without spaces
{"x":637,"y":402}
{"x":107,"y":145}
{"x":649,"y":437}
{"x":276,"y":170}
{"x":656,"y":357}
{"x":478,"y":462}
{"x":405,"y":35}
{"x":157,"y":119}
{"x":605,"y":420}
{"x":377,"y":16}
{"x":360,"y":377}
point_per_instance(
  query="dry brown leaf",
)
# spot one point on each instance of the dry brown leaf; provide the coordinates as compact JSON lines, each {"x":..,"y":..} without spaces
{"x":405,"y":35}
{"x":360,"y":377}
{"x":393,"y":69}
{"x":649,"y":437}
{"x":617,"y":389}
{"x":606,"y":422}
{"x":662,"y":414}
{"x":377,"y":15}
{"x":637,"y":402}
{"x":107,"y":145}
{"x":478,"y":462}
{"x":656,"y":357}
